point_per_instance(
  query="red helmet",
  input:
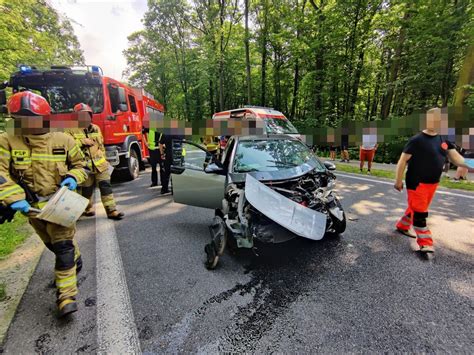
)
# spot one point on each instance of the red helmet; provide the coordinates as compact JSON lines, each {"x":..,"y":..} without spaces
{"x":26,"y":103}
{"x":83,"y":107}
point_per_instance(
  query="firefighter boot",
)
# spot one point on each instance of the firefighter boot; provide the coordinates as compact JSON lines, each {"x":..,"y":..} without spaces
{"x":116,"y":215}
{"x":89,"y":212}
{"x":66,"y":306}
{"x":65,"y":274}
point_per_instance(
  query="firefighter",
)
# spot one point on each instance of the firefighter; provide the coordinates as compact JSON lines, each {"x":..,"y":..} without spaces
{"x":425,"y":154}
{"x":91,"y":141}
{"x":34,"y":163}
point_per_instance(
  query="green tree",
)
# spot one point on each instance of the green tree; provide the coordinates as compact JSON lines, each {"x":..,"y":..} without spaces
{"x":32,"y":32}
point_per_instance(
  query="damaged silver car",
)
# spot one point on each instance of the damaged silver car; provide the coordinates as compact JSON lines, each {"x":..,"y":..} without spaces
{"x":271,"y":189}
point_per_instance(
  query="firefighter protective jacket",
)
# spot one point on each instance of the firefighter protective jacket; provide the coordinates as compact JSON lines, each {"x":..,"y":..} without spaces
{"x":40,"y":161}
{"x":95,"y":154}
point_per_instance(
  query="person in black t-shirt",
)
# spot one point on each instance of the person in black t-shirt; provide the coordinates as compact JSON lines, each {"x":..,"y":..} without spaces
{"x":344,"y":148}
{"x":425,"y":154}
{"x":166,"y":160}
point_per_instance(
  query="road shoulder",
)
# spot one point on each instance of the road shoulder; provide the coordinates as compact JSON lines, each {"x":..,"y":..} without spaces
{"x":16,"y":271}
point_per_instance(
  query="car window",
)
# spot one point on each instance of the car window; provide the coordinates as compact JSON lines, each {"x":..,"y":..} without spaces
{"x":273,"y":155}
{"x":133,"y":103}
{"x":194,"y":157}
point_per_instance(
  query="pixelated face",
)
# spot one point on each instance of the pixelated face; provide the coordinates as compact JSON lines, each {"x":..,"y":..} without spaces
{"x":24,"y":125}
{"x":84,"y":119}
{"x":437,"y":121}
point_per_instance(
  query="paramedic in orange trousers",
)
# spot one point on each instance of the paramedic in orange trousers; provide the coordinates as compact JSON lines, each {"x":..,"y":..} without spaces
{"x":425,"y":154}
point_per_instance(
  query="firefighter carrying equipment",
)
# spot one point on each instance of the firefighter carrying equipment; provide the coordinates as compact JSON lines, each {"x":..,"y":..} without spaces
{"x":42,"y":162}
{"x":416,"y":214}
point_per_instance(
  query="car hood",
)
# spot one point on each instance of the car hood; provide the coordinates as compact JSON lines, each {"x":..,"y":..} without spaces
{"x":298,"y":219}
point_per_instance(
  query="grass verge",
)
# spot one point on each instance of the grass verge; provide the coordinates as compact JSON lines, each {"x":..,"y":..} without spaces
{"x":3,"y":291}
{"x":12,"y":234}
{"x":445,"y":182}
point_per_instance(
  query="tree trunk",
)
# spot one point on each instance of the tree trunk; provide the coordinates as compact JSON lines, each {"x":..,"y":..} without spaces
{"x":211,"y":97}
{"x":222,"y":5}
{"x":264,"y":55}
{"x":247,"y":54}
{"x":355,"y":83}
{"x":295,"y":90}
{"x":466,"y":77}
{"x":395,"y":66}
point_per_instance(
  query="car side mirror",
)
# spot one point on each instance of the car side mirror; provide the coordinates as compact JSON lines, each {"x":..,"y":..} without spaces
{"x":213,"y":168}
{"x":330,"y":166}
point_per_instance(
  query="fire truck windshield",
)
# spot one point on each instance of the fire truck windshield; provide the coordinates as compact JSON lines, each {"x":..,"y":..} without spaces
{"x":63,"y":98}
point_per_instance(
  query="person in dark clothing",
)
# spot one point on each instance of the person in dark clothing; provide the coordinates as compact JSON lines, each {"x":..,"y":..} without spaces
{"x":344,"y":148}
{"x":425,"y":155}
{"x":153,"y":140}
{"x":166,"y":160}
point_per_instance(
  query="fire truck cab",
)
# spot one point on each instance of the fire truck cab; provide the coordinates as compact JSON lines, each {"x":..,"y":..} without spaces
{"x":119,"y":110}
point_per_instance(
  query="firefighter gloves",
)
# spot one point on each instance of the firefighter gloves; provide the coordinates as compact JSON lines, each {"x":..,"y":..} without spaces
{"x":70,"y":182}
{"x":21,"y":205}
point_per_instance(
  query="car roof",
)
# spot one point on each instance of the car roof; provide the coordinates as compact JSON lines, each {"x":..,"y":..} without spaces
{"x":266,"y":137}
{"x":265,"y":111}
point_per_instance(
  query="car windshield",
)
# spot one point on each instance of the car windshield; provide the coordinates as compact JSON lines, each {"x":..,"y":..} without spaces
{"x":279,"y":126}
{"x":273,"y":155}
{"x":63,"y":98}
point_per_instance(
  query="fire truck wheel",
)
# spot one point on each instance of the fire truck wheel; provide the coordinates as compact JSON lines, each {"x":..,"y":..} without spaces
{"x":133,"y":165}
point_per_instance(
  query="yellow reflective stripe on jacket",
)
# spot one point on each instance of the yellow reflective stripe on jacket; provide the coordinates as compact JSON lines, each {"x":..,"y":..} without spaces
{"x":24,"y":161}
{"x":12,"y":190}
{"x":66,"y":282}
{"x":100,"y":161}
{"x":48,"y":157}
{"x":78,"y":174}
{"x":75,"y":150}
{"x":94,"y":135}
{"x":5,"y":153}
{"x":79,"y":135}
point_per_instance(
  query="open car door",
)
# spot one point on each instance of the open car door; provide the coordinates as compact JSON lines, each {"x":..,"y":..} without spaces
{"x":191,"y":184}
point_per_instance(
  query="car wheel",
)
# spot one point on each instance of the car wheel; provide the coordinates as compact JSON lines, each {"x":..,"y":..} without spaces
{"x":211,"y":256}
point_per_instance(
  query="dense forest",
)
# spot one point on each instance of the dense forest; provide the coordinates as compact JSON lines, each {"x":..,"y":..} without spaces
{"x":31,"y":31}
{"x":318,"y":61}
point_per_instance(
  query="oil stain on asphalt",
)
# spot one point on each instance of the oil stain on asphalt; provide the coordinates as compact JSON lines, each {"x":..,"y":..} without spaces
{"x":279,"y":276}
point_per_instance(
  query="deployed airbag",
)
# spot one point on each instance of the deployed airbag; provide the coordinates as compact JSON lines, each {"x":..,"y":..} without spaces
{"x":298,"y":219}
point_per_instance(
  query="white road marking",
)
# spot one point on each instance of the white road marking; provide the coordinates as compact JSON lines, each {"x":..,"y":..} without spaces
{"x":441,"y":192}
{"x":116,"y":329}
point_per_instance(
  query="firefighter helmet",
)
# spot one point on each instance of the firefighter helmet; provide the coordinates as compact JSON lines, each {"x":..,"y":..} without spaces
{"x":83,"y":108}
{"x":26,"y":103}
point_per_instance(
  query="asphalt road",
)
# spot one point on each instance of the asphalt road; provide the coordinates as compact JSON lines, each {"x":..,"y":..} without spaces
{"x":367,"y":290}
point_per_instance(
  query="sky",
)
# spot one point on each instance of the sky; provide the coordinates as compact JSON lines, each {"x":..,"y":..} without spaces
{"x":102,"y":28}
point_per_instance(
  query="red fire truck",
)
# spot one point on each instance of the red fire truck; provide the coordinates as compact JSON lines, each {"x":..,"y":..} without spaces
{"x":122,"y":112}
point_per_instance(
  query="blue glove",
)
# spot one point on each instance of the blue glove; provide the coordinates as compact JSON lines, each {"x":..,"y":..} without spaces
{"x":469,"y":163}
{"x":21,"y":205}
{"x":70,"y":182}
